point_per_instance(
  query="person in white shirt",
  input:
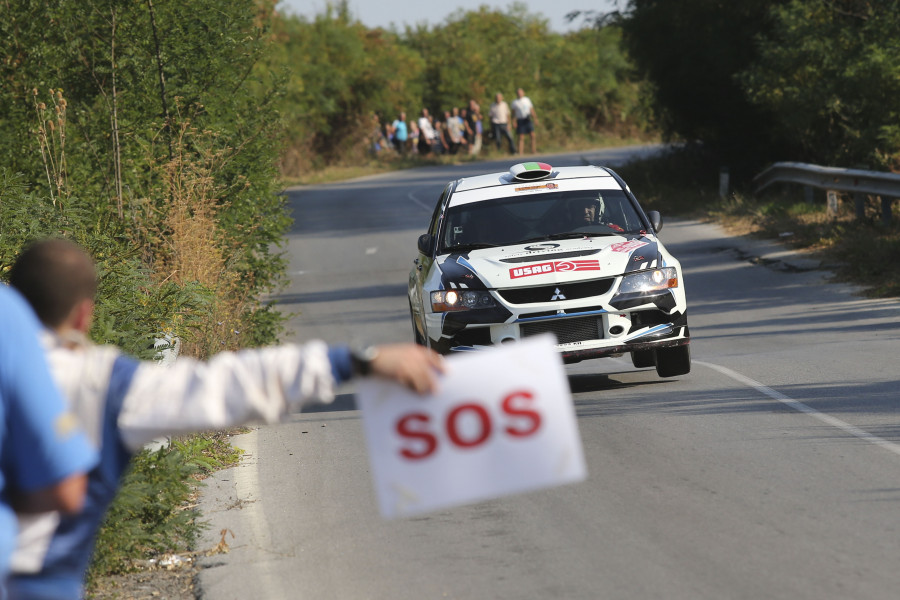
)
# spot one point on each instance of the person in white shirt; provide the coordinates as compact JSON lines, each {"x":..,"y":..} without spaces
{"x":499,"y":115}
{"x":526,"y":120}
{"x":426,"y":133}
{"x":124,"y":403}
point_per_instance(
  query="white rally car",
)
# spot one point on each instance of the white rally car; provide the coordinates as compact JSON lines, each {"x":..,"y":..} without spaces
{"x":539,"y":249}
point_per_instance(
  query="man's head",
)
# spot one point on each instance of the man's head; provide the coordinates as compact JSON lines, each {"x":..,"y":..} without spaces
{"x":499,"y":97}
{"x":520,"y":92}
{"x":58,"y":279}
{"x":583,"y":211}
{"x":402,"y":115}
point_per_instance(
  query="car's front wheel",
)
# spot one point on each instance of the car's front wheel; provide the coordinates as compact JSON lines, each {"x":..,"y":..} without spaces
{"x":642,"y":359}
{"x":671,"y":362}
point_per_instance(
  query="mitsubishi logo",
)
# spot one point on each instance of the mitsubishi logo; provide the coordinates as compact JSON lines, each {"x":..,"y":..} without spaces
{"x":557,"y":295}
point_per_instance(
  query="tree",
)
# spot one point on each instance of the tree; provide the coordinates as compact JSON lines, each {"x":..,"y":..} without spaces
{"x":691,"y":52}
{"x":829,"y":71}
{"x":159,"y":111}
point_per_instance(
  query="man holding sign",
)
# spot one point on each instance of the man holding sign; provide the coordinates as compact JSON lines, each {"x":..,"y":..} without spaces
{"x":481,"y":436}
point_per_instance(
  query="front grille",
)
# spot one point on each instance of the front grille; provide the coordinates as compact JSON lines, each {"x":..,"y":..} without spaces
{"x":579,"y":329}
{"x":545,"y":293}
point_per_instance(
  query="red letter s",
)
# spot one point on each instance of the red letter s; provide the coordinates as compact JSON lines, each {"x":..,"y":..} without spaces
{"x":532,"y":416}
{"x":404,"y":429}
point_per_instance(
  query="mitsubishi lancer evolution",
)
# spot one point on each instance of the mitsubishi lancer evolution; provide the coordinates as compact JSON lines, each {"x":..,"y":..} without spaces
{"x":538,"y":249}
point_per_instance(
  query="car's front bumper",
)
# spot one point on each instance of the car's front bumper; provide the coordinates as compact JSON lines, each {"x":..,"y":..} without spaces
{"x":581,"y":333}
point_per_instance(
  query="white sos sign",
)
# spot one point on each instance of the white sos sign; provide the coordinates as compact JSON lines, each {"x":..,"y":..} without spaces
{"x":502,"y":422}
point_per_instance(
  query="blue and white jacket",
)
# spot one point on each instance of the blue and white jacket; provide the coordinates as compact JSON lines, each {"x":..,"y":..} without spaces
{"x":124,"y":404}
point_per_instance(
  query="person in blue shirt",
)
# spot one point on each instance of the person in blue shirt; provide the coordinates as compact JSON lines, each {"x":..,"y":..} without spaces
{"x":401,"y":134}
{"x":43,"y":453}
{"x":125,"y":403}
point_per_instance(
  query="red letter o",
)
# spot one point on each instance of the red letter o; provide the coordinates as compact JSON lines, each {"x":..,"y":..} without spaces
{"x":483,"y":416}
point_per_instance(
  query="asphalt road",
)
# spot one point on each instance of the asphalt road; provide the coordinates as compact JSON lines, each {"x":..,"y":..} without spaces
{"x":771,"y":471}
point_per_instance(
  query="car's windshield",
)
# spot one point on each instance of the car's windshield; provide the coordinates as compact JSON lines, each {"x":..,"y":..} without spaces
{"x":556,"y":215}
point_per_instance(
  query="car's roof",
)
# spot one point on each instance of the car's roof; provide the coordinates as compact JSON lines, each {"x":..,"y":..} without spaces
{"x":504,"y":185}
{"x":504,"y":177}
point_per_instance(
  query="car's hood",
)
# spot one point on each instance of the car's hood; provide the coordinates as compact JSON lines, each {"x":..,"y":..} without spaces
{"x":550,"y":262}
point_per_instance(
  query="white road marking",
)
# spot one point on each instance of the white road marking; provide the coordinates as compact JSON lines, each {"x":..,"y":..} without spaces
{"x":246,"y":489}
{"x":373,"y":250}
{"x":808,"y":410}
{"x":412,"y":197}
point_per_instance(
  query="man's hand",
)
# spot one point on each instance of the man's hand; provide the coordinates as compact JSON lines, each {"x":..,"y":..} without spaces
{"x":411,"y":365}
{"x":66,"y":496}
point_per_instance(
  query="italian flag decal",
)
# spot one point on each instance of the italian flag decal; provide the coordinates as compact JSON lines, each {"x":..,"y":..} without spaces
{"x":530,"y":171}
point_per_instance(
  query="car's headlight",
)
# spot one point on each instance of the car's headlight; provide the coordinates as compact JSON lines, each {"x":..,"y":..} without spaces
{"x":447,"y":300}
{"x":649,"y":281}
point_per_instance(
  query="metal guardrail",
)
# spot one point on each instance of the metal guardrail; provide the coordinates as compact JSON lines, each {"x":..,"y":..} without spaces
{"x":832,"y":179}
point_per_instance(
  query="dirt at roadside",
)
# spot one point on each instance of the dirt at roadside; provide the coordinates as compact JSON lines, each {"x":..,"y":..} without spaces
{"x":154,"y":584}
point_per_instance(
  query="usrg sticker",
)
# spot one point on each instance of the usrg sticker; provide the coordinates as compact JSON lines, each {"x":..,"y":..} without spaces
{"x":555,"y":266}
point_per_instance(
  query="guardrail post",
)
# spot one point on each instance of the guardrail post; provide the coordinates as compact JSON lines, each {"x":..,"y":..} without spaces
{"x":832,"y":198}
{"x":723,"y":182}
{"x":809,"y":194}
{"x":886,"y":217}
{"x":860,"y":201}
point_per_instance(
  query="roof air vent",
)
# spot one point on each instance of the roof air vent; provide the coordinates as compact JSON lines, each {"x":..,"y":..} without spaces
{"x":530,"y":171}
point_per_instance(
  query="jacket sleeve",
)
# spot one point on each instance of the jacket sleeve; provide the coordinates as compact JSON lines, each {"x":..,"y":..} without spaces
{"x":232,"y":388}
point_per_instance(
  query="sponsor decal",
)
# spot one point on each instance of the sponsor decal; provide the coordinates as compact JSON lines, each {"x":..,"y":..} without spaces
{"x":627,"y":246}
{"x":543,"y":186}
{"x":554,"y":266}
{"x":539,"y":247}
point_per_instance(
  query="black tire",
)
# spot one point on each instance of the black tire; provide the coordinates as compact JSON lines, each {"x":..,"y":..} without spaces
{"x":672,"y":362}
{"x":643,"y":359}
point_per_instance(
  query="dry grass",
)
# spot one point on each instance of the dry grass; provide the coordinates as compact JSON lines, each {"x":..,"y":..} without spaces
{"x":183,"y":243}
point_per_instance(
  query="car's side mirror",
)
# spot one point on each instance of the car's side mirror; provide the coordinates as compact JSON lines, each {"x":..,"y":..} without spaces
{"x":655,"y":220}
{"x":426,"y":244}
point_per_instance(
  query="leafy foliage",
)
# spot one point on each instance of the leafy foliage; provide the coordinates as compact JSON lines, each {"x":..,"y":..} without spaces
{"x":340,"y":73}
{"x":756,"y":82}
{"x":153,"y":513}
{"x":148,"y":516}
{"x":147,"y":133}
{"x":828,"y":72}
{"x":151,"y":129}
{"x":691,"y":52}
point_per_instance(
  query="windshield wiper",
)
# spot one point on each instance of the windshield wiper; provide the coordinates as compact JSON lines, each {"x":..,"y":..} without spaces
{"x":467,"y":247}
{"x":569,"y":235}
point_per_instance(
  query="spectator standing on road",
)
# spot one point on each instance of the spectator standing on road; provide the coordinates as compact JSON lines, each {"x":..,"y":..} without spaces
{"x":440,"y":136}
{"x":413,"y":137}
{"x":125,"y":403}
{"x":455,"y":130}
{"x":473,"y":124}
{"x":426,"y":133}
{"x":44,"y":455}
{"x":400,"y":133}
{"x":526,"y":120}
{"x":499,"y":114}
